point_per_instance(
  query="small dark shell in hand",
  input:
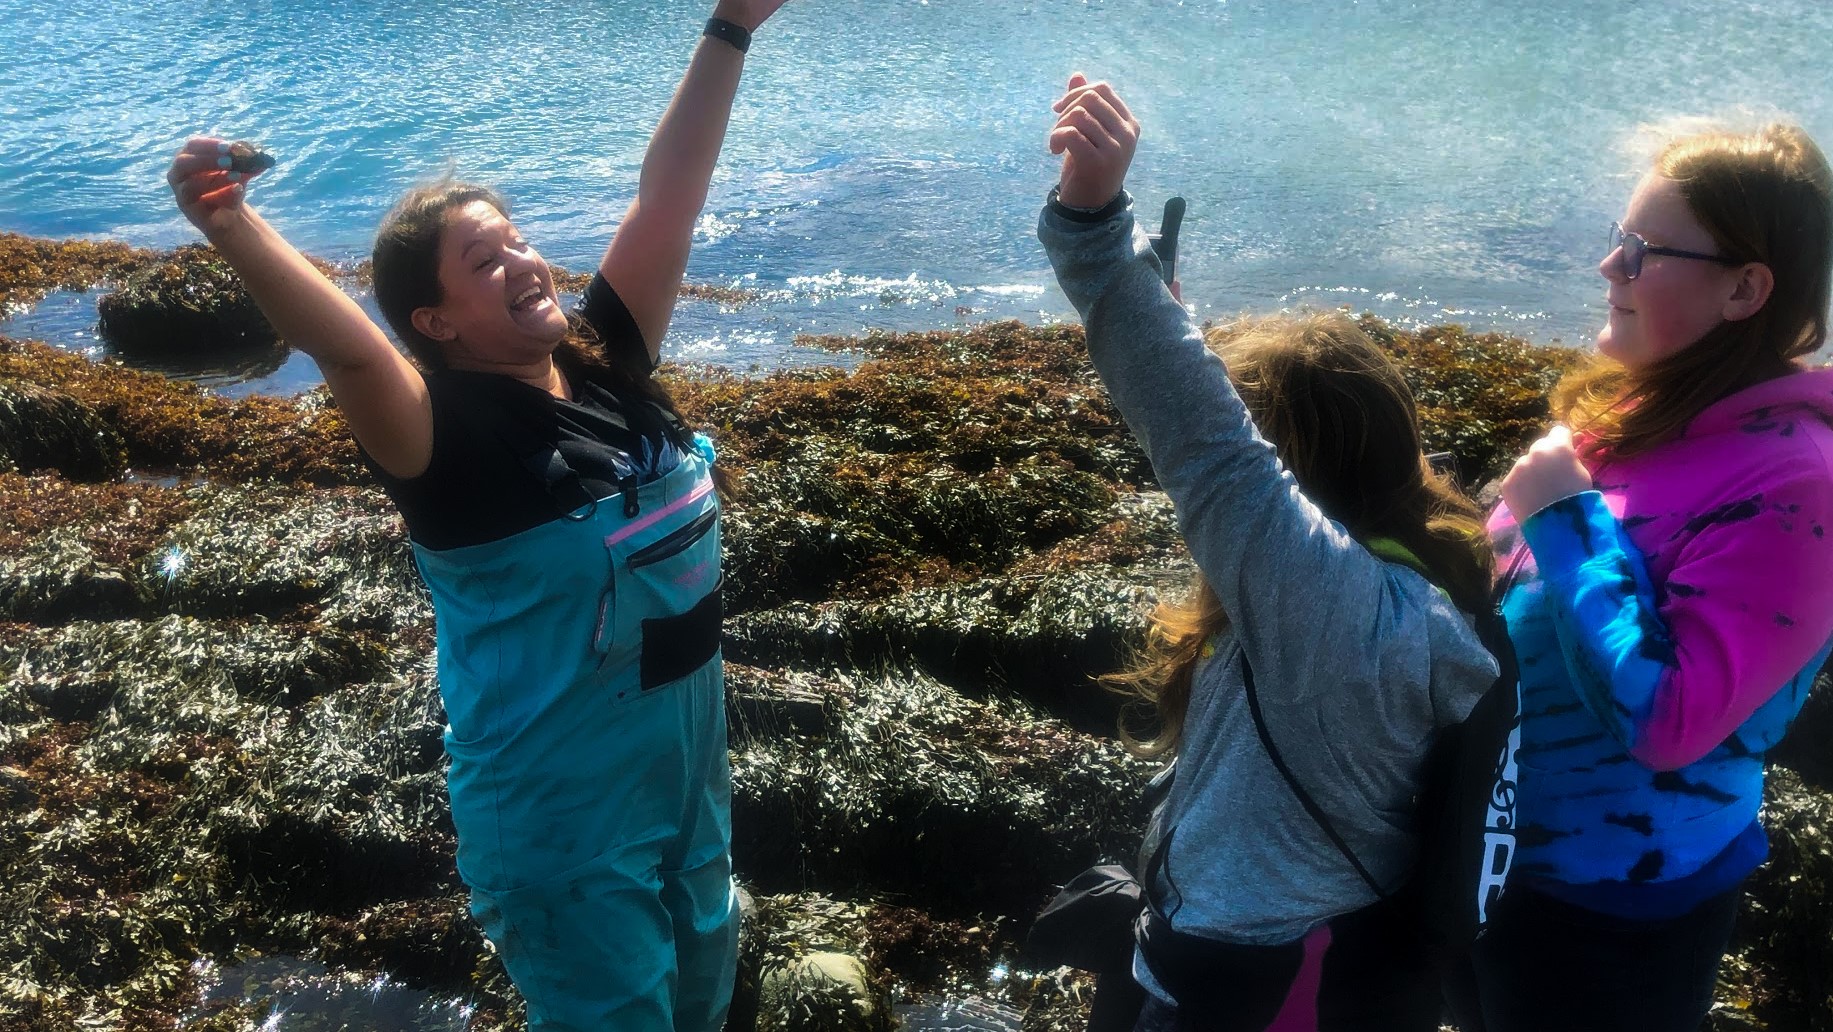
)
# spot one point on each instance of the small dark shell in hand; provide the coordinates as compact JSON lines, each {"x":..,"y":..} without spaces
{"x":247,"y":158}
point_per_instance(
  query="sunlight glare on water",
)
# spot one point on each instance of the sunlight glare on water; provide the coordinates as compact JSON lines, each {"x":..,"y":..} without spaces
{"x":1429,"y":160}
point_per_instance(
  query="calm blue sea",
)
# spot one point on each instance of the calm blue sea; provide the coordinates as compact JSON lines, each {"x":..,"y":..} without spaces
{"x":1429,"y":160}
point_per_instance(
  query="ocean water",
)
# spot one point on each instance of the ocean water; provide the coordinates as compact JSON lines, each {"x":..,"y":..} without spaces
{"x":1429,"y":160}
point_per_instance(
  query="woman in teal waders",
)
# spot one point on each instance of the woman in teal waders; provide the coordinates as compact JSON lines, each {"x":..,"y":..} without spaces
{"x":565,"y":520}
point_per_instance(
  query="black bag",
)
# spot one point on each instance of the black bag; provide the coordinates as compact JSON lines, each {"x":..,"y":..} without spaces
{"x":1089,"y":924}
{"x":1466,"y":807}
{"x":1467,"y":818}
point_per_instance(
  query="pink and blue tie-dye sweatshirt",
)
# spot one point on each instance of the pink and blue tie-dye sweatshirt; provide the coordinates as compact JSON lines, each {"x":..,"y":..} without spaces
{"x":1669,"y":626}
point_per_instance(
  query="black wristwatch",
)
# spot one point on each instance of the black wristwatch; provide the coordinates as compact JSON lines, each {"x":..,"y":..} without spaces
{"x":1101,"y":214}
{"x":731,"y":32}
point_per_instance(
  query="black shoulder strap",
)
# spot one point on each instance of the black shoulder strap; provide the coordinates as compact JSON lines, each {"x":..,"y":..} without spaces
{"x":1490,"y":631}
{"x":1304,"y":797}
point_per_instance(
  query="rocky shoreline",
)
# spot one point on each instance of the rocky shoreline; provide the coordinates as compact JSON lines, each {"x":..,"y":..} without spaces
{"x":220,"y":733}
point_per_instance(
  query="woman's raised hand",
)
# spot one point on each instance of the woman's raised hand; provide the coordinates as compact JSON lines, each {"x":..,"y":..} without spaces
{"x":1097,"y":136}
{"x":747,"y":13}
{"x":208,"y":192}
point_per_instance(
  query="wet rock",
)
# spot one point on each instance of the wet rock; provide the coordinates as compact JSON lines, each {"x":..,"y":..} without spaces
{"x":46,"y":429}
{"x":192,"y":301}
{"x":822,"y":992}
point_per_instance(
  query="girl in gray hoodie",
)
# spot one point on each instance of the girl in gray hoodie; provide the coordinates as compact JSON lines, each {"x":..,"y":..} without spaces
{"x":1336,"y":569}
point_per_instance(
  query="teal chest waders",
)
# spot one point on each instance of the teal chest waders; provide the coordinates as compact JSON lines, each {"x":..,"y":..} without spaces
{"x":579,"y":663}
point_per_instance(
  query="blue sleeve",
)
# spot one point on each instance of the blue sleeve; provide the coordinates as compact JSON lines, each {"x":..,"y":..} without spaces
{"x":1615,"y":646}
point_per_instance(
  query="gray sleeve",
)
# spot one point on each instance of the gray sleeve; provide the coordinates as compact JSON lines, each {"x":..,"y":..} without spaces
{"x":1312,"y":608}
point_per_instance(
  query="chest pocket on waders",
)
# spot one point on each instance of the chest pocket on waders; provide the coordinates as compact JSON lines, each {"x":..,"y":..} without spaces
{"x":659,"y":616}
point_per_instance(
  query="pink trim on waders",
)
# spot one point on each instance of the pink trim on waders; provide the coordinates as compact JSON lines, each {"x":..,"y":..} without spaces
{"x":1300,"y":1011}
{"x":701,"y":490}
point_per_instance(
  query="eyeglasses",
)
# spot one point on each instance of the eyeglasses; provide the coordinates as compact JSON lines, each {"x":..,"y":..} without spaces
{"x":1635,"y":249}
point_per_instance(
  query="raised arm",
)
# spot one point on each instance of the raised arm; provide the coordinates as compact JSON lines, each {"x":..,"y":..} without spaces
{"x":648,"y":255}
{"x":1305,"y":599}
{"x":379,"y":392}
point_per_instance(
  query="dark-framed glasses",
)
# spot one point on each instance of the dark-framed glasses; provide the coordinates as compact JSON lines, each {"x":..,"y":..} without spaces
{"x":1635,"y":249}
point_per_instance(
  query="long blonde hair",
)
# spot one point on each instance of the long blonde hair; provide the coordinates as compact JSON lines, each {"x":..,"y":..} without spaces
{"x":1344,"y":423}
{"x":1765,"y":196}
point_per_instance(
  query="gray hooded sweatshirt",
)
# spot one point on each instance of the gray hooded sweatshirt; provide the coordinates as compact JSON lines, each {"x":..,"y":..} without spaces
{"x":1357,"y":661}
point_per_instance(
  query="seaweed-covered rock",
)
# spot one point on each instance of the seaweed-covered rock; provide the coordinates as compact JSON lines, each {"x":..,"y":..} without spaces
{"x":190,"y":302}
{"x":1043,"y":637}
{"x":220,"y":735}
{"x":822,"y":992}
{"x":168,"y":425}
{"x":913,"y":786}
{"x":1786,"y":930}
{"x":31,"y":267}
{"x":46,"y":429}
{"x":1481,"y":396}
{"x":841,"y":519}
{"x":272,"y":552}
{"x":118,"y":522}
{"x":57,"y":578}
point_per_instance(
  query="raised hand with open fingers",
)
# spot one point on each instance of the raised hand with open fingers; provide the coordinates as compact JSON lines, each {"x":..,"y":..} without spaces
{"x":1097,"y":135}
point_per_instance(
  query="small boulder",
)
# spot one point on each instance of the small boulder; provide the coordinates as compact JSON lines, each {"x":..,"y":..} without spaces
{"x":190,"y":303}
{"x":47,"y":429}
{"x":822,"y":992}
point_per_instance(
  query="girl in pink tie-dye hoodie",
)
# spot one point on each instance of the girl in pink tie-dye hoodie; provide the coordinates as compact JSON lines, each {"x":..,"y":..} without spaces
{"x":1676,"y":600}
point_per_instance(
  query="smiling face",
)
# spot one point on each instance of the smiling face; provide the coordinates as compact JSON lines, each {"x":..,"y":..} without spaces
{"x":499,"y":305}
{"x":1675,"y":301}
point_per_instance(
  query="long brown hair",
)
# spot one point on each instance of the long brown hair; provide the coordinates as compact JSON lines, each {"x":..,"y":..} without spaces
{"x":1344,"y":423}
{"x":406,"y":273}
{"x":1765,"y":196}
